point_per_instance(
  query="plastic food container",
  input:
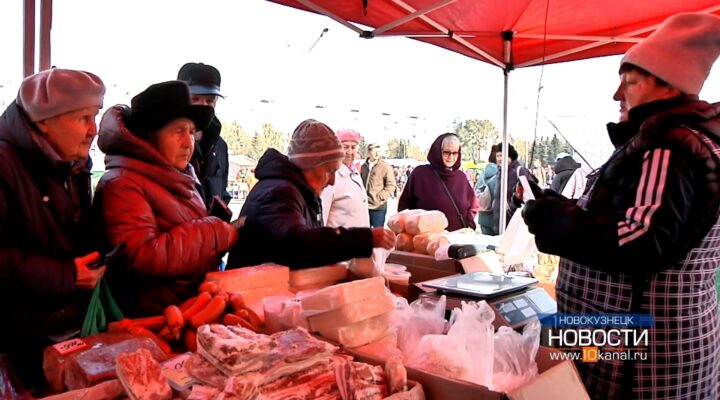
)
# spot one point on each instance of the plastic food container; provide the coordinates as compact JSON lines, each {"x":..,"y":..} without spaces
{"x":394,"y":267}
{"x":398,"y":277}
{"x":273,"y":307}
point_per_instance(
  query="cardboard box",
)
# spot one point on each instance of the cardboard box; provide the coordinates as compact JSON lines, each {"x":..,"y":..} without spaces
{"x":424,"y":267}
{"x":557,"y":380}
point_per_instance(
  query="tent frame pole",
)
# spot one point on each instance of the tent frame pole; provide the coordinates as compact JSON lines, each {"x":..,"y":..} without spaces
{"x":505,"y":161}
{"x":507,"y":37}
{"x":45,"y":28}
{"x":28,"y":38}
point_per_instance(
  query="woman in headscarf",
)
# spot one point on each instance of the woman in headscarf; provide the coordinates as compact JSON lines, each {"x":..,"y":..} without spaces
{"x":148,"y":199}
{"x":442,"y":186}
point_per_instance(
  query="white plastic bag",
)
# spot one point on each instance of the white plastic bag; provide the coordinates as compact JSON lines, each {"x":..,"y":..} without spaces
{"x":379,"y":256}
{"x":425,"y":316}
{"x":465,"y":352}
{"x":517,"y":244}
{"x":515,"y":356}
{"x":372,"y":266}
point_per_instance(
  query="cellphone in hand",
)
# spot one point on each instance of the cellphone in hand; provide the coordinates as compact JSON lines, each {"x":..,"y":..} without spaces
{"x":105,"y":258}
{"x":219,"y":209}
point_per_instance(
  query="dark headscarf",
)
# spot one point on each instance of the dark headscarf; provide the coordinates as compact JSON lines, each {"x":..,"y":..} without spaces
{"x":435,"y":156}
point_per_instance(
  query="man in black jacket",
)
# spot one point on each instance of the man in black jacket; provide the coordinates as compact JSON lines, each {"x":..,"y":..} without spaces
{"x":45,"y":282}
{"x":210,"y":157}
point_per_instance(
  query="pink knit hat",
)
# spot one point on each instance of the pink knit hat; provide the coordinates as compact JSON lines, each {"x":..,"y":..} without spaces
{"x":58,"y":91}
{"x":345,"y":135}
{"x":314,"y":143}
{"x":681,"y":52}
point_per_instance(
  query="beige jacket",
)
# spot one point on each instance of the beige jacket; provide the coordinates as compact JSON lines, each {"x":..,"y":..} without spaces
{"x":379,"y":183}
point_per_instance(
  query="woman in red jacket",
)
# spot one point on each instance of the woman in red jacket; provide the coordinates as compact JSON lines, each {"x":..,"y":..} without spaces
{"x":148,"y":199}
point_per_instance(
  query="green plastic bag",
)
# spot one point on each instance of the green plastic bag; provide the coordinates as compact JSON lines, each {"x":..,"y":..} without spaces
{"x":101,"y":306}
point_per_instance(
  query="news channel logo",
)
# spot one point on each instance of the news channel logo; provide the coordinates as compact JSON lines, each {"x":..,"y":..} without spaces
{"x":599,"y":337}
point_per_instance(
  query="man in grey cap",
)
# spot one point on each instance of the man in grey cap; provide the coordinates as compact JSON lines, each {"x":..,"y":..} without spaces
{"x":283,"y":212}
{"x":45,"y":137}
{"x":210,"y":157}
{"x":645,"y":238}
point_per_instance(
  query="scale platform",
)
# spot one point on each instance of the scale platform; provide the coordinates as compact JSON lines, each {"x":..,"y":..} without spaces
{"x":481,"y":284}
{"x":512,"y":298}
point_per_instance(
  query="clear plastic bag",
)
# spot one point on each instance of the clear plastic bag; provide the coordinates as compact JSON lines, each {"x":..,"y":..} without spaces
{"x":425,"y":316}
{"x":464,"y":353}
{"x":372,"y":266}
{"x":515,"y":356}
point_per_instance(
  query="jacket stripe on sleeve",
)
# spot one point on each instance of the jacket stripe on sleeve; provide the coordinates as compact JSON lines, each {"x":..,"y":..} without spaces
{"x":648,"y":196}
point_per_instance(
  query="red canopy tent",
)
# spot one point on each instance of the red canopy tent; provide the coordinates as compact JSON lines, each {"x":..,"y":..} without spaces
{"x":509,"y":33}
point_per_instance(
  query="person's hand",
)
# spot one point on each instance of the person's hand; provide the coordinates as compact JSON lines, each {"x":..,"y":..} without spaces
{"x":550,"y":194}
{"x":383,"y":237}
{"x":540,"y":214}
{"x":88,"y":278}
{"x":519,"y":192}
{"x":238,"y":223}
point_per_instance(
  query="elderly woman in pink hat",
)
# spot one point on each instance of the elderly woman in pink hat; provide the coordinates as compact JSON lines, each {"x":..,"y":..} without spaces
{"x":345,"y":203}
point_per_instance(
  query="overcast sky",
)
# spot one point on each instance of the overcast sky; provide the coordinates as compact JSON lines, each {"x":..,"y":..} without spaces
{"x":269,"y":74}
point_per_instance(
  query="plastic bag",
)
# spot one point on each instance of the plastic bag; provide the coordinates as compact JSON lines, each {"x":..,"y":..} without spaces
{"x":10,"y":386}
{"x":425,"y":316}
{"x":464,"y":353}
{"x":484,"y":196}
{"x":379,"y":256}
{"x":291,"y":315}
{"x":102,"y":303}
{"x":517,"y":244}
{"x":372,"y":266}
{"x":515,"y":356}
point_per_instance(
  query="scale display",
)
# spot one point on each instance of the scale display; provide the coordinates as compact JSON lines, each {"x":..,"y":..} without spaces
{"x":519,"y":308}
{"x":481,"y":284}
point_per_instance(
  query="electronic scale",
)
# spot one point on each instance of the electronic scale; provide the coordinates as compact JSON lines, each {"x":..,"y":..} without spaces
{"x":512,"y":298}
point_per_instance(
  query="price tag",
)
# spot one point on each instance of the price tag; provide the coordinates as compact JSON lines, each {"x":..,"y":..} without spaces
{"x":70,"y":346}
{"x":176,"y":373}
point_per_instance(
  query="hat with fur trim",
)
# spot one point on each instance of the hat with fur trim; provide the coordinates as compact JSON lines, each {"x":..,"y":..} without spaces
{"x":163,"y":102}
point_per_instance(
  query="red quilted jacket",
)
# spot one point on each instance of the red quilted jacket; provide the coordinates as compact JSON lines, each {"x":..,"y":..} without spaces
{"x":153,"y":207}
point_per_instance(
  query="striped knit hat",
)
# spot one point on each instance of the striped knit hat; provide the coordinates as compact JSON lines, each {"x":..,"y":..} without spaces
{"x":314,"y":143}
